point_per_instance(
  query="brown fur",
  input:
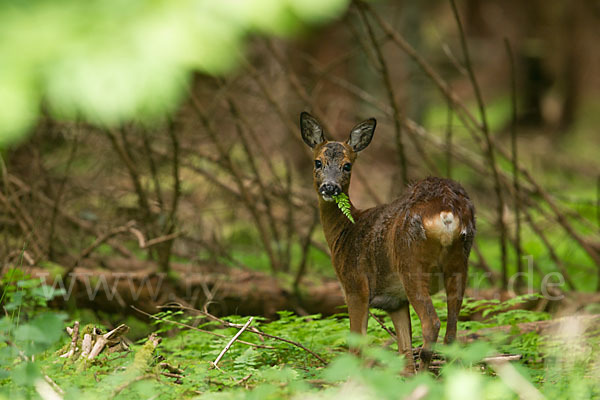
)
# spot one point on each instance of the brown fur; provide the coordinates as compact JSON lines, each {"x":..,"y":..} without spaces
{"x":396,"y":253}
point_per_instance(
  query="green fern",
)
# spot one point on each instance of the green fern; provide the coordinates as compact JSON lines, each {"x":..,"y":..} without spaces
{"x":343,"y":203}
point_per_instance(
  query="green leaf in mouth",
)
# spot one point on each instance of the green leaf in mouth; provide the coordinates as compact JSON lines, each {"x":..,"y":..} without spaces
{"x":343,"y":203}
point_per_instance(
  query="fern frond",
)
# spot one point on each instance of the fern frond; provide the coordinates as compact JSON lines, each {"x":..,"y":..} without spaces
{"x":343,"y":203}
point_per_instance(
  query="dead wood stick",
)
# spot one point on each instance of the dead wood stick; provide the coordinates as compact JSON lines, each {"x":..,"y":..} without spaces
{"x":107,"y":338}
{"x":488,"y":148}
{"x":419,"y":393}
{"x":171,"y":368}
{"x":233,"y":339}
{"x":382,"y":324}
{"x":103,"y":238}
{"x":46,"y":390}
{"x":514,"y":380}
{"x":74,"y":337}
{"x":502,"y":358}
{"x":144,"y":244}
{"x":172,"y":375}
{"x":86,"y":345}
{"x":198,"y":329}
{"x":257,"y":332}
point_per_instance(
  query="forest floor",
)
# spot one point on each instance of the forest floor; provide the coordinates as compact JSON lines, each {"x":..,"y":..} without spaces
{"x":292,"y":356}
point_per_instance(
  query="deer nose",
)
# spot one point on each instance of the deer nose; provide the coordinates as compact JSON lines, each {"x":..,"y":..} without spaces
{"x":330,"y":189}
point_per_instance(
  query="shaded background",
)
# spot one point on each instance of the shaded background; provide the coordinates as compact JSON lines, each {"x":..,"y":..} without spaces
{"x":216,"y":194}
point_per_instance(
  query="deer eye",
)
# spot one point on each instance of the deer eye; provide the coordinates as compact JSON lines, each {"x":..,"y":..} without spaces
{"x":318,"y":164}
{"x":347,"y":167}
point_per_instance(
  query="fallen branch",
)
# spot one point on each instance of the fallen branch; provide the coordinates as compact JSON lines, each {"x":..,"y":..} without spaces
{"x":254,"y":331}
{"x":231,"y":325}
{"x":198,"y":329}
{"x":515,"y":381}
{"x":385,"y":328}
{"x":233,"y":339}
{"x":74,"y":332}
{"x":110,"y":338}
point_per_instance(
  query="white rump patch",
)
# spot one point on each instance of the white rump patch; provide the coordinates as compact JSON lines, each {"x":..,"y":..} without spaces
{"x":444,"y":227}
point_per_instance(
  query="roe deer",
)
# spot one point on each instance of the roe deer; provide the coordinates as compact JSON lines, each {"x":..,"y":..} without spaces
{"x":395,"y":254}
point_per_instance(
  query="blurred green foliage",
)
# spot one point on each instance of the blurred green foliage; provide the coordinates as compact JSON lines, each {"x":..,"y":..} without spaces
{"x":113,"y":60}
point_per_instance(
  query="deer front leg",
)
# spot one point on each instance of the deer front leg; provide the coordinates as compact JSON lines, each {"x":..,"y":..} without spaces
{"x":402,"y":325}
{"x":357,"y":301}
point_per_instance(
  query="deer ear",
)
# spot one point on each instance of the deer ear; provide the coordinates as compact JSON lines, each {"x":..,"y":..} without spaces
{"x":361,"y":135}
{"x":312,"y":132}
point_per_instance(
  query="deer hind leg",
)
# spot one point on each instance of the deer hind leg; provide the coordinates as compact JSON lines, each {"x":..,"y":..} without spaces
{"x":401,"y":320}
{"x":455,"y":279}
{"x":417,"y":291}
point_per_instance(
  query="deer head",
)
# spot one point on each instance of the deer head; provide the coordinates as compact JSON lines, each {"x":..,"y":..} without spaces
{"x":333,"y":160}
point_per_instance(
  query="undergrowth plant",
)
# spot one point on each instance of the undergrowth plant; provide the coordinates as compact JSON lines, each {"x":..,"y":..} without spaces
{"x":562,"y":367}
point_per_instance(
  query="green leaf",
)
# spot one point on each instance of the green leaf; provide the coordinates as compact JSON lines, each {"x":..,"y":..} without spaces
{"x":343,"y":203}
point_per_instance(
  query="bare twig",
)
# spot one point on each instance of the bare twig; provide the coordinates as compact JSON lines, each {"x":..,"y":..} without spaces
{"x":515,"y":163}
{"x":230,"y":343}
{"x":198,"y":329}
{"x":514,"y":380}
{"x":489,"y":148}
{"x":103,"y":238}
{"x":305,"y":249}
{"x":58,"y":197}
{"x":74,"y":338}
{"x":108,"y":338}
{"x":397,"y":116}
{"x":382,"y":324}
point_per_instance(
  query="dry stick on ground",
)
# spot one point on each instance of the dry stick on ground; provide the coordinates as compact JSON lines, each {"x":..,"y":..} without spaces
{"x":489,"y":147}
{"x":232,"y":325}
{"x":198,"y":329}
{"x":514,"y":380}
{"x":382,"y":324}
{"x":74,"y":338}
{"x":228,"y":345}
{"x":515,"y":162}
{"x":107,"y":338}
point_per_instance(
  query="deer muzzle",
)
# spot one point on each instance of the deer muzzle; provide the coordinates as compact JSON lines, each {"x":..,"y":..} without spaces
{"x":329,"y":189}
